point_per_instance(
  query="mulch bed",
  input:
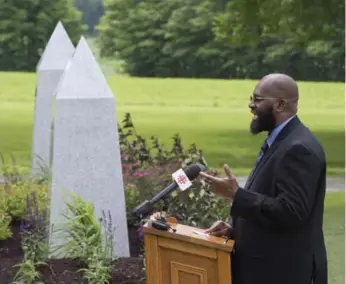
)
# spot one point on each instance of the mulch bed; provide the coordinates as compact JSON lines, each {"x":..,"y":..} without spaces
{"x":124,"y":270}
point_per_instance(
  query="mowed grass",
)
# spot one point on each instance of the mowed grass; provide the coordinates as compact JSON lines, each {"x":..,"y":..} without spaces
{"x":334,"y":230}
{"x":213,"y":114}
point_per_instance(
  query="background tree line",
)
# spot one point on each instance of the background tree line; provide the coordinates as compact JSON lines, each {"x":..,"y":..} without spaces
{"x":189,"y":38}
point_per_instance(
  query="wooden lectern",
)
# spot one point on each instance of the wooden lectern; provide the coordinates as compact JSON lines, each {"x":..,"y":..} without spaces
{"x":186,"y":257}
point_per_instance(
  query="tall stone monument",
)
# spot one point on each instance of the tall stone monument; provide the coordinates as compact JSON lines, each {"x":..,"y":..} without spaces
{"x":86,"y":155}
{"x":50,"y":68}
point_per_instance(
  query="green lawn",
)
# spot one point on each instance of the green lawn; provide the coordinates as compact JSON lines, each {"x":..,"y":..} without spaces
{"x":334,"y":229}
{"x":213,"y":114}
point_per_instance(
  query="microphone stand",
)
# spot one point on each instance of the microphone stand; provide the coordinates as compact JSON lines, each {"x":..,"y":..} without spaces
{"x":161,"y":223}
{"x":164,"y":209}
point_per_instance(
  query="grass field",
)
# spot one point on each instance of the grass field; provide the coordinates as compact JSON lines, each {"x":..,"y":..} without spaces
{"x":213,"y":114}
{"x":334,"y":229}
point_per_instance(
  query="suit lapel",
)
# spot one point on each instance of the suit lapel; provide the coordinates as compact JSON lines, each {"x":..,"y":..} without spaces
{"x":282,"y":135}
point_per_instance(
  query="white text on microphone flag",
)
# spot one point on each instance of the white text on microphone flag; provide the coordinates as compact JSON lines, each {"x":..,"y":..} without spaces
{"x":181,"y":179}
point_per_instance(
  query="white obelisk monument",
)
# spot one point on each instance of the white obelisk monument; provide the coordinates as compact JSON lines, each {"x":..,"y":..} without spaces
{"x":50,"y":68}
{"x":86,"y":153}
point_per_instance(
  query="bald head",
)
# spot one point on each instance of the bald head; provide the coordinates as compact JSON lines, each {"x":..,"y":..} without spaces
{"x":280,"y":86}
{"x":275,"y":99}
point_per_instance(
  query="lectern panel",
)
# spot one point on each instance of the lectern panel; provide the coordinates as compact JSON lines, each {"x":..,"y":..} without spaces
{"x":187,"y":274}
{"x":179,"y":267}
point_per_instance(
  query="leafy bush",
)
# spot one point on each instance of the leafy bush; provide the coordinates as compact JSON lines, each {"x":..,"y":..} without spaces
{"x":13,"y":173}
{"x":147,"y":169}
{"x":18,"y":185}
{"x":5,"y":219}
{"x":17,"y":194}
{"x":86,"y":241}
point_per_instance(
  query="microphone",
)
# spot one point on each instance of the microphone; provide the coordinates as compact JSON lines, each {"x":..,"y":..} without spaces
{"x":145,"y":207}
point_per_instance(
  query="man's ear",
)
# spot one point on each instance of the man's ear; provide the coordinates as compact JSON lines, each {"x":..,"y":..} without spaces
{"x":280,"y":105}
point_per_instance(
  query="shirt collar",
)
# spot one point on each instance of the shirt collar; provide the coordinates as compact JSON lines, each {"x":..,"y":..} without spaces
{"x":272,"y":136}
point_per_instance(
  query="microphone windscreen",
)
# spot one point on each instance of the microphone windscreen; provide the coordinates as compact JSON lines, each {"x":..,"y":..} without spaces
{"x":193,"y":170}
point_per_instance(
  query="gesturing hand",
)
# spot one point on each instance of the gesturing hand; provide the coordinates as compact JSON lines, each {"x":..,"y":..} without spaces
{"x":226,"y":186}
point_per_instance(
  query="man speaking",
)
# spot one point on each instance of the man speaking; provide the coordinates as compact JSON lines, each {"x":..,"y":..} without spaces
{"x":277,"y":218}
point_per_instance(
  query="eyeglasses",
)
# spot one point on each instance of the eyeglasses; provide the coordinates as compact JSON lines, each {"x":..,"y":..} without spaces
{"x":256,"y":99}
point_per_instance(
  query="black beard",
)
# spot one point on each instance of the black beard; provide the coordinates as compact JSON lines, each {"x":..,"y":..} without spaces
{"x":264,"y":122}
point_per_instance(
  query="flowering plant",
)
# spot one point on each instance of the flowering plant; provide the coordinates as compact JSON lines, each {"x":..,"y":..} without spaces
{"x":147,"y":169}
{"x":34,"y":241}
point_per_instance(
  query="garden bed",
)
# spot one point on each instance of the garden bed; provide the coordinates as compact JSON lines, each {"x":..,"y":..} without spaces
{"x":124,"y":270}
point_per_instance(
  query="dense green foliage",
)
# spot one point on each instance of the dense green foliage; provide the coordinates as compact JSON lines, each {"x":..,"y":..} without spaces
{"x":26,"y":26}
{"x":225,"y":39}
{"x":195,"y":38}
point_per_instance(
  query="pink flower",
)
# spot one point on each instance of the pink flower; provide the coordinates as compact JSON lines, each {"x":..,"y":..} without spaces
{"x":137,"y":164}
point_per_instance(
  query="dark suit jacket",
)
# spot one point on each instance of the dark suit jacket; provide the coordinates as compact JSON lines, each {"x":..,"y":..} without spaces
{"x":278,"y":216}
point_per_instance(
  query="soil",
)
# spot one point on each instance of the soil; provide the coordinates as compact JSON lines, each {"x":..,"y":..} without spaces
{"x":128,"y":270}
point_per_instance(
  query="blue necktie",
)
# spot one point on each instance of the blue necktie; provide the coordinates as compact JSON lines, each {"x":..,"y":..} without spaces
{"x":264,"y":149}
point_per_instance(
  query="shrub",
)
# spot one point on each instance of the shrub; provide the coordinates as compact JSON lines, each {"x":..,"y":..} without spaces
{"x":18,"y":185}
{"x":147,"y":169}
{"x":86,"y":241}
{"x":5,"y":219}
{"x":17,"y":193}
{"x":13,"y":173}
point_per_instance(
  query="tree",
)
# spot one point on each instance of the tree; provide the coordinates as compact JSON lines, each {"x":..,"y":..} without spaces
{"x":302,"y":21}
{"x":225,"y":38}
{"x":92,"y":11}
{"x":26,"y":26}
{"x":189,"y":41}
{"x":300,"y":37}
{"x":172,"y":38}
{"x":134,"y":32}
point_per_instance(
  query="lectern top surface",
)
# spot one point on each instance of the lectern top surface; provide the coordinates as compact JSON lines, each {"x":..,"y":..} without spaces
{"x":193,"y":235}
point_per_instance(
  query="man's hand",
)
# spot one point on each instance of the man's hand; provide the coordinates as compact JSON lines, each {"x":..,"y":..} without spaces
{"x":220,"y":229}
{"x":226,"y":187}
